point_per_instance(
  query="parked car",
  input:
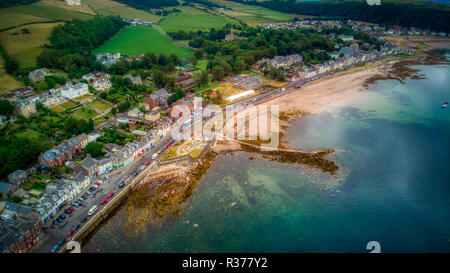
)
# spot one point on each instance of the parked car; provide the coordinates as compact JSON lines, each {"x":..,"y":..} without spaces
{"x":61,"y":242}
{"x":54,"y":249}
{"x":147,"y":163}
{"x":55,"y":222}
{"x":77,"y":226}
{"x":104,"y":201}
{"x":88,"y":193}
{"x":70,"y":233}
{"x":60,"y":220}
{"x":71,"y":209}
{"x":121,"y":185}
{"x":92,"y":210}
{"x":67,"y":211}
{"x":110,"y":195}
{"x":83,"y":220}
{"x":155,"y":155}
{"x":98,"y":184}
{"x":75,"y":204}
{"x":62,"y":217}
{"x":135,"y":173}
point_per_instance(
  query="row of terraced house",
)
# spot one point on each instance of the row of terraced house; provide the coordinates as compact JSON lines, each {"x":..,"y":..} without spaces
{"x":64,"y":190}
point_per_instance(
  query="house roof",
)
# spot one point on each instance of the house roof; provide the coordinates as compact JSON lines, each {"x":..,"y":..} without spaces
{"x":5,"y":187}
{"x":162,"y":93}
{"x":17,"y":174}
{"x":89,"y":162}
{"x":11,"y":206}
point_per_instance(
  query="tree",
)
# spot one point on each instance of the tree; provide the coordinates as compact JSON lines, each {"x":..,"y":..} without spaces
{"x":95,"y":149}
{"x":204,"y":78}
{"x":113,"y":110}
{"x":179,"y":94}
{"x":159,"y":78}
{"x":218,"y":72}
{"x":193,"y":60}
{"x":51,"y":83}
{"x":6,"y":108}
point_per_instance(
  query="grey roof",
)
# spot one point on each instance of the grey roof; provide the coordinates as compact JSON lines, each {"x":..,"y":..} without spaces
{"x":5,"y":187}
{"x":73,"y":141}
{"x":17,"y":174}
{"x":51,"y":154}
{"x":162,"y":93}
{"x":11,"y":206}
{"x":89,"y":162}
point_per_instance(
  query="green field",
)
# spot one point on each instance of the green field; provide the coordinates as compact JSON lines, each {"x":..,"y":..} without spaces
{"x":108,"y":7}
{"x":7,"y":82}
{"x":254,"y":15}
{"x":45,"y":10}
{"x":99,"y":105}
{"x":193,"y":19}
{"x":25,"y":47}
{"x":140,"y":40}
{"x":84,"y":113}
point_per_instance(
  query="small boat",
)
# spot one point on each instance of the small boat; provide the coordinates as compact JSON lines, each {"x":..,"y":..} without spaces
{"x":444,"y":105}
{"x":445,"y":102}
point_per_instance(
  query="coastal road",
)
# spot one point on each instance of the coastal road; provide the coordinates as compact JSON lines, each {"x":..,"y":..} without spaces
{"x":110,"y":184}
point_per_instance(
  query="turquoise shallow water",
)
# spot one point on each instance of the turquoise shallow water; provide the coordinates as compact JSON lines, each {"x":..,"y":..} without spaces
{"x":393,"y":185}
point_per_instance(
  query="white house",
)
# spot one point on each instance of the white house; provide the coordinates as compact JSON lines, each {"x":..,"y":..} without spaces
{"x":71,"y":91}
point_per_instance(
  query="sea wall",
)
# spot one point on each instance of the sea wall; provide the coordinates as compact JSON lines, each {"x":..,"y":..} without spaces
{"x":82,"y":235}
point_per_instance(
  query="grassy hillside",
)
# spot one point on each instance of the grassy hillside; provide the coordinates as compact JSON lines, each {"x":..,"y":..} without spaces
{"x":7,"y":82}
{"x":253,"y":15}
{"x":193,"y":19}
{"x":108,"y":7}
{"x":42,"y":11}
{"x":140,"y":40}
{"x":25,"y":43}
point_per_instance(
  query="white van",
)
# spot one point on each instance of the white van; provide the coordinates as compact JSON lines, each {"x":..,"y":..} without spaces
{"x":92,"y":210}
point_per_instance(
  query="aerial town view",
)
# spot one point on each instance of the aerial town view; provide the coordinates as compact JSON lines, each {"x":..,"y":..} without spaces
{"x":224,"y":126}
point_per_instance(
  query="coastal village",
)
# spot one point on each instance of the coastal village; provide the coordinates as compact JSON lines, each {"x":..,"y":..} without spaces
{"x":26,"y":210}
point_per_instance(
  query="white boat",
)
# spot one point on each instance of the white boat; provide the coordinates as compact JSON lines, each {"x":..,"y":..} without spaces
{"x":444,"y":105}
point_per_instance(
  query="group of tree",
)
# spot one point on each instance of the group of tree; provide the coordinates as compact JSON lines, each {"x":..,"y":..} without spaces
{"x":11,"y":3}
{"x":17,"y":153}
{"x":95,"y":149}
{"x":149,"y":61}
{"x":435,"y":17}
{"x":111,"y":135}
{"x":206,"y":3}
{"x":11,"y":65}
{"x":196,"y":38}
{"x":71,"y":44}
{"x":74,"y":126}
{"x":6,"y":108}
{"x":232,"y":57}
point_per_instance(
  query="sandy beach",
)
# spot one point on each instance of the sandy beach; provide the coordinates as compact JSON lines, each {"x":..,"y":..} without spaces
{"x":331,"y":92}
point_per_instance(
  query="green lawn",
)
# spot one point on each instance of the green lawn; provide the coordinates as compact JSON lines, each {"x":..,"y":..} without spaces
{"x":99,"y":105}
{"x":140,"y":40}
{"x":67,"y":105}
{"x":193,"y":19}
{"x":84,"y":113}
